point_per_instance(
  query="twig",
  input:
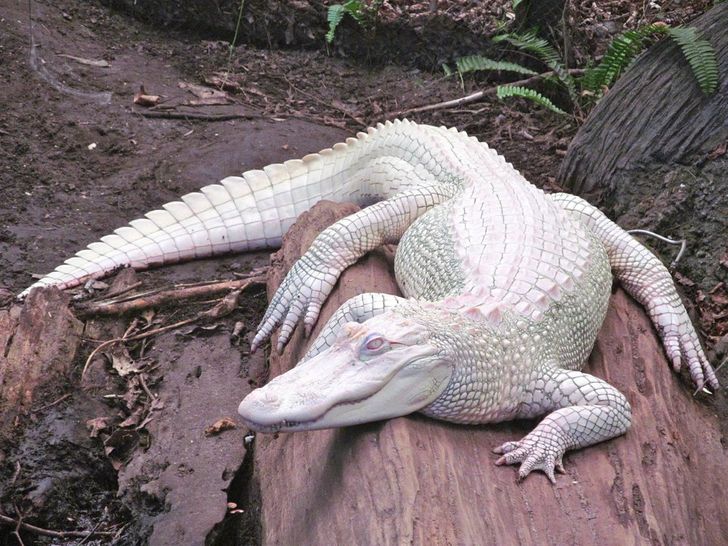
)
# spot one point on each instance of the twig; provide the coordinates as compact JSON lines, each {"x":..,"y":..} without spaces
{"x":48,"y":532}
{"x":702,"y":387}
{"x":84,"y":539}
{"x":123,"y":291}
{"x":682,"y":242}
{"x":164,"y":297}
{"x":16,"y":473}
{"x":146,"y":388}
{"x":55,"y":402}
{"x":195,"y":116}
{"x":105,"y":344}
{"x":479,"y":94}
{"x":16,"y":531}
{"x":224,"y":307}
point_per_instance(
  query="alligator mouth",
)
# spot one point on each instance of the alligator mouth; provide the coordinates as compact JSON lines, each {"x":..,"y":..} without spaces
{"x":393,"y":403}
{"x":286,"y":425}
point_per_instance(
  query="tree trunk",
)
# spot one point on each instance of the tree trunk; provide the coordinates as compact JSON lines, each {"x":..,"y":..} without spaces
{"x":653,"y":151}
{"x":415,"y":480}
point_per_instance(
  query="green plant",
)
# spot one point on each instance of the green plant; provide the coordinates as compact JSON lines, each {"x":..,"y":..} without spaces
{"x":544,"y":51}
{"x":624,"y":48}
{"x":505,"y":91}
{"x":474,"y":63}
{"x":585,"y":90}
{"x":358,"y":10}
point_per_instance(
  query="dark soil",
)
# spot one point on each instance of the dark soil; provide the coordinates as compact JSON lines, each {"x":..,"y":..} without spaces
{"x":78,"y":159}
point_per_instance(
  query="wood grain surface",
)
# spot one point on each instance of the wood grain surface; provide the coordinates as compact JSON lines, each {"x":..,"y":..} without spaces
{"x":415,"y":480}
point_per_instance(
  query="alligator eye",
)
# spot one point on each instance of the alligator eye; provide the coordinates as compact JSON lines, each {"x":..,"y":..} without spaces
{"x":373,"y":344}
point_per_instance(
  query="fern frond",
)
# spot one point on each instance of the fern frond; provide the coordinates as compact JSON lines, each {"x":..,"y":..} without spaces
{"x":620,"y":53}
{"x":624,"y":49}
{"x":700,"y":56}
{"x":505,"y":91}
{"x":474,"y":63}
{"x":334,"y":16}
{"x":336,"y":12}
{"x":530,"y":42}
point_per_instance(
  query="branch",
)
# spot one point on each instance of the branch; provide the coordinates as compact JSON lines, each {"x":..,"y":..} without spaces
{"x":195,"y":116}
{"x":479,"y":94}
{"x":176,"y":295}
{"x":51,"y":533}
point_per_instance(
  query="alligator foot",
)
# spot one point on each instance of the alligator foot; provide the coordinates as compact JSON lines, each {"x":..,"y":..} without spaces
{"x":536,"y":451}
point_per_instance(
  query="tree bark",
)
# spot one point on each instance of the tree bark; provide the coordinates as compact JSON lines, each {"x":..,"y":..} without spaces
{"x":653,"y":151}
{"x":38,"y":343}
{"x":415,"y":480}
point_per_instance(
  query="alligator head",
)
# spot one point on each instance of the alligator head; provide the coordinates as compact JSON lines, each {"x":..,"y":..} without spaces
{"x":386,"y":367}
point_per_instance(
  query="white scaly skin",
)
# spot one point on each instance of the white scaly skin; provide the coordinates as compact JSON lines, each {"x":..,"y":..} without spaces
{"x":506,"y":289}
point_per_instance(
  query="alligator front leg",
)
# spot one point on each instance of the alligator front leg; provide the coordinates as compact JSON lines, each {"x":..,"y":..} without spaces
{"x":645,"y":277}
{"x":588,"y":410}
{"x":313,"y":276}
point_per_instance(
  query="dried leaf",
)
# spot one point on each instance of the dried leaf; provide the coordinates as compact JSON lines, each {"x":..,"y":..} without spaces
{"x":683,"y":280}
{"x":120,"y":445}
{"x":122,"y":361}
{"x":143,"y":99}
{"x":221,"y":425}
{"x":223,"y":308}
{"x":97,"y":425}
{"x":223,"y":80}
{"x":134,"y":419}
{"x":148,"y":316}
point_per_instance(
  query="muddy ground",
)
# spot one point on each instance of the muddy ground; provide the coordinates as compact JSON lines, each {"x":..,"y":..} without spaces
{"x":78,"y":158}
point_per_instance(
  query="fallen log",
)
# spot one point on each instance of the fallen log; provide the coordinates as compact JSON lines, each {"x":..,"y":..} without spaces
{"x":415,"y":480}
{"x":38,"y":343}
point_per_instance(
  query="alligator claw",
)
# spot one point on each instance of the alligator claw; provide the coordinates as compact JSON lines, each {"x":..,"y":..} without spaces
{"x":533,"y":454}
{"x":683,"y":348}
{"x":300,"y":296}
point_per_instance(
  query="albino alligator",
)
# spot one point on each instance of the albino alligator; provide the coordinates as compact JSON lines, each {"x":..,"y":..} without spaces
{"x":506,"y":289}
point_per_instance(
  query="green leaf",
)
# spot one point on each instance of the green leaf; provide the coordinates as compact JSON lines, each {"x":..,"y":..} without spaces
{"x":528,"y":41}
{"x":700,"y":56}
{"x":334,"y":16}
{"x":505,"y":91}
{"x":474,"y":63}
{"x":355,"y":8}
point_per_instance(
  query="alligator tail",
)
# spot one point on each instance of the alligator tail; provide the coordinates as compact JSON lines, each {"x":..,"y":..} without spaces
{"x":241,"y":213}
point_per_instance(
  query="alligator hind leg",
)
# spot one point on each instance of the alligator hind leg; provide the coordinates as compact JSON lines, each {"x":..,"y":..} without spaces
{"x":584,"y":409}
{"x":645,"y":277}
{"x":356,"y":309}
